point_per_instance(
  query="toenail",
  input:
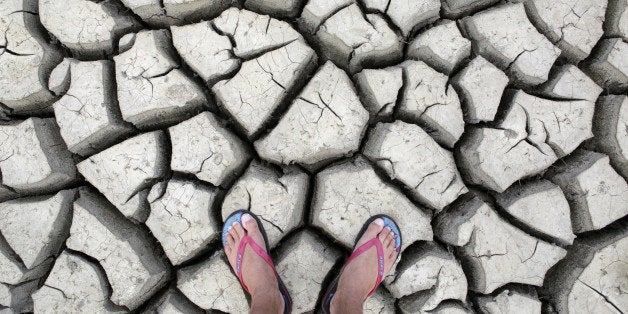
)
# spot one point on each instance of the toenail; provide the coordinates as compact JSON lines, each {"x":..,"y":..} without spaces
{"x":246,"y":217}
{"x":379,"y":221}
{"x":229,"y":229}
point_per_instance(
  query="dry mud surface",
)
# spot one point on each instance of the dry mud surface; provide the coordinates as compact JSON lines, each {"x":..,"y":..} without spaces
{"x":494,"y":132}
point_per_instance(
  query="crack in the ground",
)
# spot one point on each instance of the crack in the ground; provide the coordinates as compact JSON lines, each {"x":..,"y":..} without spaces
{"x":324,"y":103}
{"x":611,"y":303}
{"x":271,"y":223}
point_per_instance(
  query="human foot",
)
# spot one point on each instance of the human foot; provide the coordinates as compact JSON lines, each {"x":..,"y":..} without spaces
{"x":258,"y":276}
{"x":359,"y":275}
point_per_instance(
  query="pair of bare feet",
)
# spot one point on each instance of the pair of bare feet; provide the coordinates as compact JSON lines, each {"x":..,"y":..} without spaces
{"x":356,"y":281}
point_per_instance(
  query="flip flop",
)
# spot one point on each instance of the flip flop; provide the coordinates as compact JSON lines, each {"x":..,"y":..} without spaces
{"x":246,"y":240}
{"x":388,"y":222}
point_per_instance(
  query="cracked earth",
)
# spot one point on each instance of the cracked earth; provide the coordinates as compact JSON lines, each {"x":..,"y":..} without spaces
{"x":495,"y":132}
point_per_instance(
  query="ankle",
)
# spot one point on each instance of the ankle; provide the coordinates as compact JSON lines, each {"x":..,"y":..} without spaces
{"x":268,"y":297}
{"x":266,"y":292}
{"x":352,"y":290}
{"x":266,"y":285}
{"x":346,"y":303}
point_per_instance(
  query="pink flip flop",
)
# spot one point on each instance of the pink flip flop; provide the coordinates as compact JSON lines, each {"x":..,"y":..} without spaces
{"x":388,"y":222}
{"x":246,"y":240}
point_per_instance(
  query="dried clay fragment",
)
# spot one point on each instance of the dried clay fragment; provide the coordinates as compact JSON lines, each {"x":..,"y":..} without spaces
{"x":496,"y":252}
{"x":122,"y":248}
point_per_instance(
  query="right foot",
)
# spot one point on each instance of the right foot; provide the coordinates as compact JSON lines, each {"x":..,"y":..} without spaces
{"x":360,"y":276}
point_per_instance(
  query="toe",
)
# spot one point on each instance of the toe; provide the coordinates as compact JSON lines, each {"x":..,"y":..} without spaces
{"x":389,"y":239}
{"x":250,"y":224}
{"x":238,"y":229}
{"x":372,"y":230}
{"x":230,"y":241}
{"x":391,"y":251}
{"x":384,"y":235}
{"x":390,"y":245}
{"x":234,"y":234}
{"x":393,"y":255}
{"x":253,"y":229}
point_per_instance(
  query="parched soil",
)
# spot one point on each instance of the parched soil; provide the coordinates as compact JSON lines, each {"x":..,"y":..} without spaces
{"x":494,"y":132}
